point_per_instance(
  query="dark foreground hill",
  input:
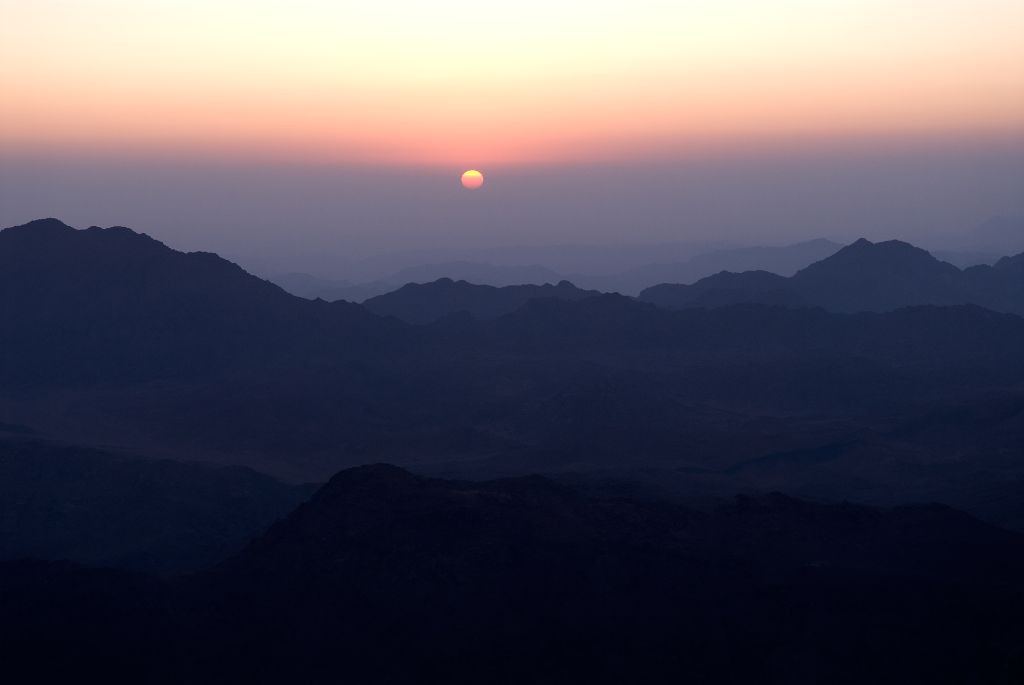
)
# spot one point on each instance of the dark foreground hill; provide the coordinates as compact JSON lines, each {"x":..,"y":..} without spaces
{"x":863,"y":276}
{"x":386,"y":577}
{"x":424,"y":303}
{"x":160,"y":516}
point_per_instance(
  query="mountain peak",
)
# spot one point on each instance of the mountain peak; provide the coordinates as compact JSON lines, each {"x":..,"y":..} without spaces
{"x":863,"y":245}
{"x":886,"y":255}
{"x":862,"y":276}
{"x":41,"y":226}
{"x":880,"y":277}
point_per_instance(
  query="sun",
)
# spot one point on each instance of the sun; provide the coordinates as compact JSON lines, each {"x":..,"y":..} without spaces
{"x":472,"y":179}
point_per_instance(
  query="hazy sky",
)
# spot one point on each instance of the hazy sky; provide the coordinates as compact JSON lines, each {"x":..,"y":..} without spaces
{"x":269,"y":128}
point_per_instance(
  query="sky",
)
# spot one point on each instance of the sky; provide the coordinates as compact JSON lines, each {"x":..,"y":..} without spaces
{"x":301,"y":133}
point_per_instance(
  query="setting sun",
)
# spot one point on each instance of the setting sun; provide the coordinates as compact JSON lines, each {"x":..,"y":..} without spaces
{"x":472,"y":179}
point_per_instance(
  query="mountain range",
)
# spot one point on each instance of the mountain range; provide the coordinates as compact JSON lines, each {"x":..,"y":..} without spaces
{"x":424,"y":303}
{"x":863,"y":276}
{"x":112,"y":303}
{"x":758,"y":478}
{"x":389,"y":577}
{"x":112,"y":339}
{"x":786,"y":259}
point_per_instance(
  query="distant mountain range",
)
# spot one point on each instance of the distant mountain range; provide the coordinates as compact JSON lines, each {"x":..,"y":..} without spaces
{"x":782,"y":260}
{"x":863,"y":276}
{"x":419,"y":304}
{"x":311,"y":287}
{"x":626,"y":269}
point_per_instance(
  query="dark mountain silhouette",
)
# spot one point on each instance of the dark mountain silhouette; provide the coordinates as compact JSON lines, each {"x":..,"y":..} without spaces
{"x":725,"y":288}
{"x":428,"y":302}
{"x":863,"y":276}
{"x":384,"y":509}
{"x":115,"y":304}
{"x":116,"y":340}
{"x":607,"y":275}
{"x":388,"y":577}
{"x":784,"y":260}
{"x":613,"y":324}
{"x":1000,"y":286}
{"x":867,"y":276}
{"x":93,"y":507}
{"x":311,"y":287}
{"x":634,"y":562}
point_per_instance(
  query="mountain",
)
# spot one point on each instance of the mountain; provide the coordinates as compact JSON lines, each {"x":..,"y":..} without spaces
{"x":863,"y":276}
{"x":784,"y":260}
{"x":866,"y":276}
{"x":632,"y":560}
{"x":94,"y":507}
{"x":428,"y":302}
{"x":419,"y":529}
{"x":1000,"y":286}
{"x":388,"y":577}
{"x":723,"y":289}
{"x":137,"y":348}
{"x":115,"y":304}
{"x":311,"y":287}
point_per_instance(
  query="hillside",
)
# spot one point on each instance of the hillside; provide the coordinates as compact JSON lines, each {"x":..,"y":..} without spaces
{"x":402,"y":578}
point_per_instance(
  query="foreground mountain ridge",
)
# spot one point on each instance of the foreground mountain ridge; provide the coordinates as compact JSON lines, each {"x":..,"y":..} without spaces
{"x":399,"y":578}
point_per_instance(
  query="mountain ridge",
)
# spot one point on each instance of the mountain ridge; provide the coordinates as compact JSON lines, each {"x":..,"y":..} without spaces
{"x":863,"y":276}
{"x":541,"y":582}
{"x":424,"y":303}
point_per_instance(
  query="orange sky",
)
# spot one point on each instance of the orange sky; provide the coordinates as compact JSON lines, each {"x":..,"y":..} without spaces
{"x":483,"y":84}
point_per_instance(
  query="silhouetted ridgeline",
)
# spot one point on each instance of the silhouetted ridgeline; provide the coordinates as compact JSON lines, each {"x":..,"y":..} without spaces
{"x":633,"y":561}
{"x":863,"y":276}
{"x":385,"y":577}
{"x":428,"y":302}
{"x":111,"y":304}
{"x":112,"y":338}
{"x":782,"y":259}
